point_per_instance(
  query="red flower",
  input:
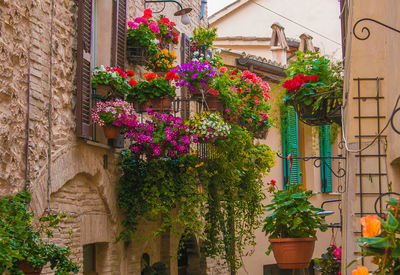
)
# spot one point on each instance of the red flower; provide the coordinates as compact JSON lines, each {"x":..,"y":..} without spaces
{"x":130,"y":73}
{"x":147,"y":13}
{"x":132,"y":82}
{"x":170,"y":76}
{"x":314,"y":78}
{"x":175,"y":39}
{"x":165,"y":20}
{"x":150,"y":76}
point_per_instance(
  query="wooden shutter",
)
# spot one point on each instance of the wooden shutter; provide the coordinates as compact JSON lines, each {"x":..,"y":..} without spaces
{"x":185,"y":58}
{"x":118,"y":46}
{"x":290,"y":145}
{"x":84,"y":56}
{"x":325,"y":151}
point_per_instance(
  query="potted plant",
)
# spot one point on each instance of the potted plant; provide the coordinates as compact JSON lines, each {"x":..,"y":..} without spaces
{"x":380,"y":239}
{"x":162,"y":62}
{"x":208,"y":127}
{"x":155,"y":92}
{"x":22,"y":248}
{"x":141,"y":38}
{"x":314,"y":86}
{"x":167,"y":35}
{"x":292,"y":226}
{"x":113,"y":116}
{"x":159,"y":137}
{"x":330,"y":261}
{"x":111,"y":81}
{"x":203,"y":39}
{"x":195,"y":75}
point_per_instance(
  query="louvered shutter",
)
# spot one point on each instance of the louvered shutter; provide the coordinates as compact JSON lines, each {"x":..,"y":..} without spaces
{"x":290,"y":145}
{"x":84,"y":55}
{"x":325,"y":151}
{"x":185,"y":58}
{"x":118,"y":48}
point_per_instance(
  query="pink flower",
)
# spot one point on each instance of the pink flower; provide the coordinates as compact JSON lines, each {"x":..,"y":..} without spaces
{"x":154,"y":27}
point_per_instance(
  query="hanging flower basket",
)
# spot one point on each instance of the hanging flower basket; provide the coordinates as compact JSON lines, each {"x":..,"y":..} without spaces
{"x":329,"y":111}
{"x":161,"y":104}
{"x":111,"y":132}
{"x":136,"y":55}
{"x":293,"y":253}
{"x":28,"y":269}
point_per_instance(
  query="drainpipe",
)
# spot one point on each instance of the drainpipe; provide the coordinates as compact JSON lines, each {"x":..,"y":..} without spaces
{"x":203,"y":5}
{"x":27,"y":125}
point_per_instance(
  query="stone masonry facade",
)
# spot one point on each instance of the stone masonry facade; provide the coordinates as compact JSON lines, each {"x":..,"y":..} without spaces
{"x":39,"y":149}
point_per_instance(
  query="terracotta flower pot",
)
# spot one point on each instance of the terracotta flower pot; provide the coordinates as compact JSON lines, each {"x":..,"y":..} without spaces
{"x":292,"y":253}
{"x":214,"y":104}
{"x":156,"y":104}
{"x":111,"y":132}
{"x":28,"y":269}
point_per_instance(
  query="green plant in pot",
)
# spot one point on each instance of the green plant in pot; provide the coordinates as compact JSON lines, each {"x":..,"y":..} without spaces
{"x":22,"y":248}
{"x":292,"y":225}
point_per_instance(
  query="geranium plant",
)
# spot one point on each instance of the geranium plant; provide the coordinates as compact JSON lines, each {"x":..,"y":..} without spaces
{"x":208,"y":126}
{"x":114,"y":77}
{"x":118,"y":113}
{"x":311,"y":79}
{"x":163,"y":61}
{"x":195,"y":75}
{"x":291,"y":214}
{"x":160,"y":136}
{"x":380,"y":239}
{"x":142,"y":33}
{"x":167,"y":35}
{"x":154,"y":86}
{"x":330,"y":261}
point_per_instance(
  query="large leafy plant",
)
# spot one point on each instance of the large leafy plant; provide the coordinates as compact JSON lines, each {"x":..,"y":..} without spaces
{"x":293,"y":216}
{"x":154,"y":86}
{"x":22,"y":241}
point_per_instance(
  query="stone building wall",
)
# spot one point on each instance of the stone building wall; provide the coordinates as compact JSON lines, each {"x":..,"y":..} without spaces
{"x":38,"y":43}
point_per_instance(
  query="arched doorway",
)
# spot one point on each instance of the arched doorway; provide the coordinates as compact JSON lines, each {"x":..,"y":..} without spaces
{"x":190,"y":261}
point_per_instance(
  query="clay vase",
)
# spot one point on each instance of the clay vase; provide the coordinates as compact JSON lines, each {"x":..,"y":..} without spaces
{"x":160,"y":104}
{"x":28,"y":269}
{"x":111,"y":132}
{"x":293,"y":253}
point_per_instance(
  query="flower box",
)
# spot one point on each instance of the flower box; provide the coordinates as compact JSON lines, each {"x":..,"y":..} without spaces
{"x":28,"y":269}
{"x":161,"y":104}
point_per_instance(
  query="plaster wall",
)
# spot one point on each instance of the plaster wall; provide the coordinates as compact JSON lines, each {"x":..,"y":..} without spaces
{"x":321,"y":16}
{"x":376,"y":56}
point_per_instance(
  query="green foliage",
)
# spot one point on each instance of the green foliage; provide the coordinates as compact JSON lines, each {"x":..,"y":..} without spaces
{"x":203,"y":36}
{"x":152,"y":189}
{"x":20,"y":241}
{"x":234,"y":207}
{"x":145,"y":90}
{"x":293,"y":216}
{"x":226,"y":211}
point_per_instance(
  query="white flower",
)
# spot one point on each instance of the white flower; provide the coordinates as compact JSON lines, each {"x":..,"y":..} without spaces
{"x":218,"y":50}
{"x":114,"y":75}
{"x":156,"y":41}
{"x":102,"y":68}
{"x":195,"y":59}
{"x":195,"y":53}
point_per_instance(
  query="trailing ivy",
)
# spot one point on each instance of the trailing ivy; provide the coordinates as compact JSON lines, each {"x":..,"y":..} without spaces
{"x":224,"y":214}
{"x":152,"y":189}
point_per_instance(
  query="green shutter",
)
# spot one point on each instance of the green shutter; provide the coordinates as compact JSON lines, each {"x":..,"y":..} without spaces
{"x":290,"y":145}
{"x":326,"y":164}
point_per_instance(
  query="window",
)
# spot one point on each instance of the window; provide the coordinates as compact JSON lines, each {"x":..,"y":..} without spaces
{"x":325,"y":151}
{"x":290,"y":145}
